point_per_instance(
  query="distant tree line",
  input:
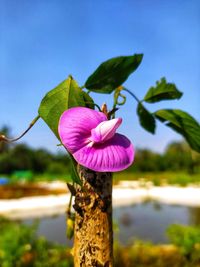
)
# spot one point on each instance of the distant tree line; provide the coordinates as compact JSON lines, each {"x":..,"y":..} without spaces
{"x":177,"y":157}
{"x":17,"y":157}
{"x":23,"y":157}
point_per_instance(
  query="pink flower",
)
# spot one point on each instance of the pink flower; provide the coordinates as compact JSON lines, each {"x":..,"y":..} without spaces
{"x":90,"y":137}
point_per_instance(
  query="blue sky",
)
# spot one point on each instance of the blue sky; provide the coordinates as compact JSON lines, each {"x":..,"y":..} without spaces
{"x":42,"y":42}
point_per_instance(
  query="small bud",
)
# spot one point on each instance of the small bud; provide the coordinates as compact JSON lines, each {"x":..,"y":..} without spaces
{"x":104,"y":109}
{"x":70,"y":228}
{"x":2,"y":137}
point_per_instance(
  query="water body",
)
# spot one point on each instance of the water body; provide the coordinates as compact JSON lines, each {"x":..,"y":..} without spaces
{"x":146,"y":221}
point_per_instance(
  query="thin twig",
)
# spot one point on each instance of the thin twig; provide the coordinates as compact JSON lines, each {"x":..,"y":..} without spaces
{"x":9,"y":140}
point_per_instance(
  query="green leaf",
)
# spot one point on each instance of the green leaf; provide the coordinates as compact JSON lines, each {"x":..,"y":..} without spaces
{"x":162,"y":91}
{"x":147,"y":120}
{"x":74,"y":173}
{"x":89,"y":102}
{"x":112,"y":73}
{"x":72,"y":189}
{"x":66,"y":95}
{"x":183,"y":123}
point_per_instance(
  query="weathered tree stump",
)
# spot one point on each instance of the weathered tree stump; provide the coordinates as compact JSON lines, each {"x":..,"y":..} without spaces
{"x":93,"y":235}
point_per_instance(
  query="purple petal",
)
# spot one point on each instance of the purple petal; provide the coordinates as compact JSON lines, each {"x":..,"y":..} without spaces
{"x":75,"y":126}
{"x":116,"y":154}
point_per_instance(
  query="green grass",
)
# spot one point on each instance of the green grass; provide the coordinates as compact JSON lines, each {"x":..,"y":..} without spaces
{"x":21,"y":247}
{"x":160,"y":178}
{"x":157,"y":178}
{"x":52,"y":177}
{"x":39,"y":178}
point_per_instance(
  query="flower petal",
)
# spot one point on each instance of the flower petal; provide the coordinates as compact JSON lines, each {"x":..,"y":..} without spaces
{"x":75,"y":126}
{"x":105,"y":130}
{"x":115,"y":154}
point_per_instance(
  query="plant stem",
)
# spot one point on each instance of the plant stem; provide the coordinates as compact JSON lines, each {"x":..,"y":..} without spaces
{"x":132,"y":94}
{"x":6,"y":139}
{"x":69,"y":206}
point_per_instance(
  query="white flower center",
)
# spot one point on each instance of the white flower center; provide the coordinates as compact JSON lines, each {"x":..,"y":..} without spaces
{"x":105,"y":130}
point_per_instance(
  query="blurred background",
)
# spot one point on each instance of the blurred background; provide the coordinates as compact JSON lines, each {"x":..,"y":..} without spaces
{"x":156,"y":201}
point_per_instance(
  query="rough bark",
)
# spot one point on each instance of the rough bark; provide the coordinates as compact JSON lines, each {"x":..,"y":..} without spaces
{"x":93,"y":236}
